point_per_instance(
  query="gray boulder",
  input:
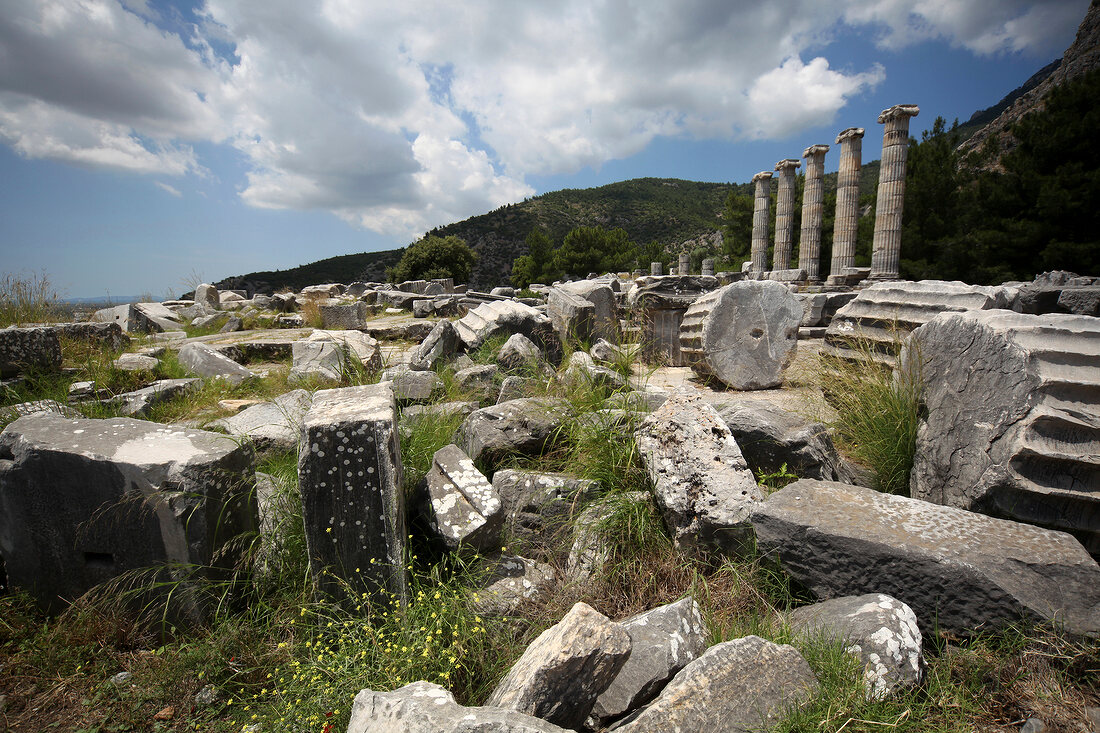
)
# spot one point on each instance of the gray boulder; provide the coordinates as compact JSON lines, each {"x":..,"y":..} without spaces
{"x":737,"y":686}
{"x":539,"y":507}
{"x":316,"y":360}
{"x":514,"y":388}
{"x":1012,"y":426}
{"x":880,"y":630}
{"x":232,"y":325}
{"x":702,"y":484}
{"x":771,"y":437}
{"x":519,"y":427}
{"x":479,"y":380}
{"x":139,"y":402}
{"x":354,"y":344}
{"x":744,"y":334}
{"x":663,"y":641}
{"x":336,"y":315}
{"x":411,"y":386}
{"x":275,"y":425}
{"x":135,"y":362}
{"x":562,"y":672}
{"x":462,"y":507}
{"x":441,"y":343}
{"x":203,"y":360}
{"x":353,"y":507}
{"x":518,"y":351}
{"x":422,"y":707}
{"x":511,"y":583}
{"x":22,"y":348}
{"x":103,"y":335}
{"x":583,"y":370}
{"x":147,"y":495}
{"x":957,"y":569}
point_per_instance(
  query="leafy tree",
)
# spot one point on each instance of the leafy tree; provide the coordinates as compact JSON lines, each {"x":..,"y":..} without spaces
{"x":434,"y":257}
{"x":932,"y":201}
{"x":594,"y":249}
{"x":737,"y":237}
{"x":653,"y":252}
{"x":536,"y":265}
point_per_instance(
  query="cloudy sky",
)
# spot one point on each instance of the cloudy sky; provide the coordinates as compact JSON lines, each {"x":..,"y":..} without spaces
{"x":147,"y":143}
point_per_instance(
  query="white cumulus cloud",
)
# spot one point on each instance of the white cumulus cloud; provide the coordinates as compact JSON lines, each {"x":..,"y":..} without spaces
{"x":398,"y":118}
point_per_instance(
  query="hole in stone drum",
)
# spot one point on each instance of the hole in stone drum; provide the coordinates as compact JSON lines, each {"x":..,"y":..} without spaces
{"x":756,"y":333}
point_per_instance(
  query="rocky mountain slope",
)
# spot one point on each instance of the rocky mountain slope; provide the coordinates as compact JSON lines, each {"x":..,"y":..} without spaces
{"x":1081,"y":57}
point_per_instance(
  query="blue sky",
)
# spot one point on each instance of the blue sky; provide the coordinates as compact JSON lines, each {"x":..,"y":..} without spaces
{"x":145,"y":145}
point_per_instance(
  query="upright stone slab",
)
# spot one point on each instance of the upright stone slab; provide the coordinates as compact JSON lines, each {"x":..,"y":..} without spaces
{"x":207,"y":294}
{"x":784,"y":213}
{"x":571,"y":314}
{"x":886,"y":250}
{"x":702,"y":485}
{"x":846,"y":221}
{"x":21,"y":348}
{"x":741,"y":686}
{"x":1012,"y":425}
{"x":563,"y":671}
{"x":441,"y":343}
{"x":813,"y":210}
{"x":760,"y":222}
{"x":605,"y":314}
{"x":462,"y":506}
{"x":958,"y":570}
{"x":743,"y":334}
{"x":349,"y":475}
{"x":337,"y":315}
{"x":84,"y":501}
{"x":877,"y":321}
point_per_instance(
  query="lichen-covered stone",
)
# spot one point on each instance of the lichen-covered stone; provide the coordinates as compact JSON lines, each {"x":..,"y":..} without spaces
{"x":880,"y":630}
{"x":518,"y":427}
{"x":702,"y":484}
{"x":353,"y":507}
{"x":22,"y":348}
{"x":462,"y":506}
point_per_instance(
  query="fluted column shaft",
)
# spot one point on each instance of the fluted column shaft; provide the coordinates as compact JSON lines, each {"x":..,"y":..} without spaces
{"x":813,"y":209}
{"x":685,"y":265}
{"x":886,"y":251}
{"x":760,"y":205}
{"x":846,"y":221}
{"x":784,"y":213}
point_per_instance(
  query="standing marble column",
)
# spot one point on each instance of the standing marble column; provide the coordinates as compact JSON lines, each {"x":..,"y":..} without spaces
{"x":684,"y":265}
{"x":784,"y":213}
{"x":813,"y":209}
{"x":708,"y":266}
{"x":655,"y":269}
{"x":886,"y":251}
{"x":763,"y":181}
{"x":846,"y":222}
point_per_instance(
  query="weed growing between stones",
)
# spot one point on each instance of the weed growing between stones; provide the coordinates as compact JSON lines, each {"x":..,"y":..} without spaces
{"x":28,"y":299}
{"x":878,"y":410}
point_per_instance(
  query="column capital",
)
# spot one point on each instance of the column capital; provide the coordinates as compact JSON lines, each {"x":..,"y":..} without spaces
{"x":788,"y":164}
{"x":851,"y":132}
{"x":898,"y":111}
{"x":815,"y":150}
{"x":762,"y":176}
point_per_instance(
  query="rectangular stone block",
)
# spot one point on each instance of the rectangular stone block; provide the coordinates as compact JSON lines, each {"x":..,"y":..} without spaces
{"x":353,"y":506}
{"x":84,"y":501}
